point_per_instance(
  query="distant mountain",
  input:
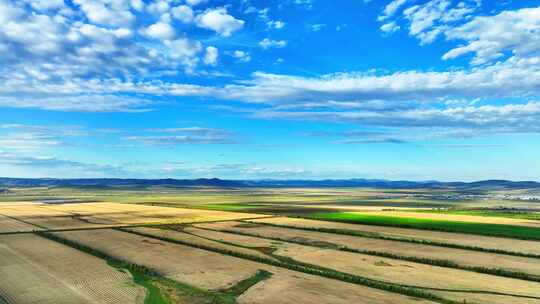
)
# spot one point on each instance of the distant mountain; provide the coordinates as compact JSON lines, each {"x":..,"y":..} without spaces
{"x":216,"y":182}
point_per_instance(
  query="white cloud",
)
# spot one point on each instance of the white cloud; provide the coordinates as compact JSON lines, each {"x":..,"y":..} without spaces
{"x":189,"y":135}
{"x":103,"y":12}
{"x":160,"y":30}
{"x":390,"y":27}
{"x":317,"y":27}
{"x":195,"y":2}
{"x":427,"y":21}
{"x":220,"y":21}
{"x":268,"y":43}
{"x":491,"y":37}
{"x":183,"y":13}
{"x":211,"y":56}
{"x":391,"y":8}
{"x":275,"y":24}
{"x":241,"y":55}
{"x":44,"y":5}
{"x":79,"y":103}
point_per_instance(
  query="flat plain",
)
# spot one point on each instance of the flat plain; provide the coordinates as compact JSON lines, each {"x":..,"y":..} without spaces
{"x":214,"y":245}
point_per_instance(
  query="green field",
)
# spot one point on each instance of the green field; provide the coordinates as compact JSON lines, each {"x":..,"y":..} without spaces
{"x":526,"y":215}
{"x":509,"y":231}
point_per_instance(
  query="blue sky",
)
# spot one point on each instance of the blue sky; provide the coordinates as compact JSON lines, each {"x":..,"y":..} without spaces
{"x":403,"y":89}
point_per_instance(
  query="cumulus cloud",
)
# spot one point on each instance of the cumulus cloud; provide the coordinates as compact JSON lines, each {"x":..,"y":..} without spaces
{"x":241,"y":55}
{"x":183,"y":13}
{"x":267,"y":43}
{"x":219,"y":21}
{"x":109,"y":13}
{"x":211,"y":56}
{"x":161,"y":30}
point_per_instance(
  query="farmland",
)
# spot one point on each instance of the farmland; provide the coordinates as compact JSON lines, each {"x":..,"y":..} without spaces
{"x":211,"y":245}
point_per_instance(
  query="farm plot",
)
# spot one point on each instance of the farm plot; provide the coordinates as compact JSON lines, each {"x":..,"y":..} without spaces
{"x":95,"y":215}
{"x":194,"y":236}
{"x":453,"y":284}
{"x":285,"y":287}
{"x":9,"y":225}
{"x":126,"y":214}
{"x":41,"y":216}
{"x":496,"y":243}
{"x":210,"y":270}
{"x":469,"y":227}
{"x":37,"y":270}
{"x":459,"y":256}
{"x":457,"y":218}
{"x":459,"y":285}
{"x":185,"y":264}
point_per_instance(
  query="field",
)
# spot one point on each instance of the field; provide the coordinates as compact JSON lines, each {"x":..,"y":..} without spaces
{"x":37,"y":270}
{"x":520,"y":230}
{"x":162,"y":245}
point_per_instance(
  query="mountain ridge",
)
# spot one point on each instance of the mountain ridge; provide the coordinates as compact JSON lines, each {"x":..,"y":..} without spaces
{"x":216,"y":182}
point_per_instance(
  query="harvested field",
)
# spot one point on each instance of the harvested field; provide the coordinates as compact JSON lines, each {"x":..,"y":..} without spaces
{"x":209,"y":270}
{"x":524,"y":246}
{"x":192,"y":237}
{"x":419,"y":275}
{"x":400,"y":272}
{"x":205,"y":269}
{"x":37,"y":270}
{"x":459,"y":256}
{"x":286,"y":287}
{"x":94,"y":215}
{"x":9,"y":225}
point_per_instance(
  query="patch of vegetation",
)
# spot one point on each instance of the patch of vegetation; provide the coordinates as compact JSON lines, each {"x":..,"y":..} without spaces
{"x":499,"y":230}
{"x":503,"y":212}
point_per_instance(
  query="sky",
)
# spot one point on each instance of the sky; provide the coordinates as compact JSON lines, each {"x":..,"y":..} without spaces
{"x":293,"y":89}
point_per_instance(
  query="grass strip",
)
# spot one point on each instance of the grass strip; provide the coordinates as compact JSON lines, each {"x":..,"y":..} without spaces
{"x":399,"y":239}
{"x":312,"y":269}
{"x":434,"y":262}
{"x":498,"y":230}
{"x":161,"y":290}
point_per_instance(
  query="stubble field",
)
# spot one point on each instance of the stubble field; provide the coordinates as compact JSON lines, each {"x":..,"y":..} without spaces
{"x":260,"y":246}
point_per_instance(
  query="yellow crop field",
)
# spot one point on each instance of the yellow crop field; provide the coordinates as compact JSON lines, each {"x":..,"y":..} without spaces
{"x":94,"y":215}
{"x":37,"y":270}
